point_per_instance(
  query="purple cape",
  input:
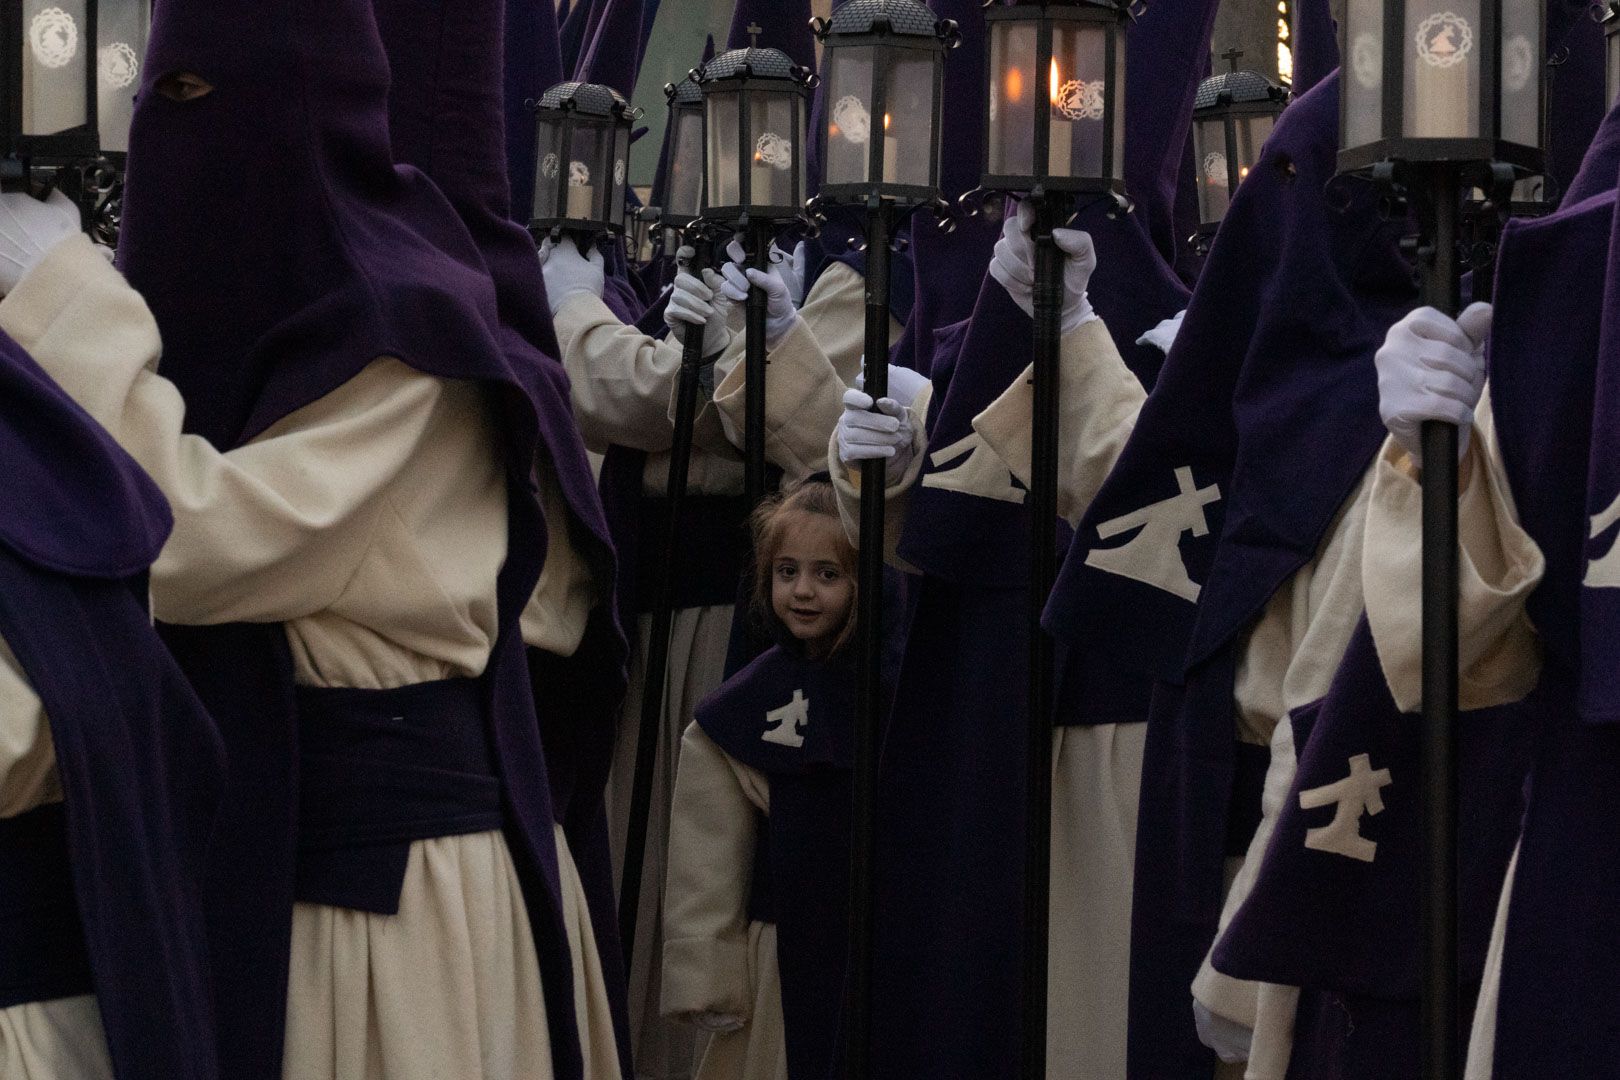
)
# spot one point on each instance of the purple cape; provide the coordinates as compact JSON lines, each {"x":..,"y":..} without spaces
{"x":802,"y":875}
{"x":533,"y":64}
{"x":353,"y":258}
{"x":139,"y":761}
{"x":1553,"y":373}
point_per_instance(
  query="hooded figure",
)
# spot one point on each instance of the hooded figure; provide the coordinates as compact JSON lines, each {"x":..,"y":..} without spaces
{"x":532,"y":65}
{"x":109,"y":768}
{"x":358,"y":471}
{"x":959,"y":693}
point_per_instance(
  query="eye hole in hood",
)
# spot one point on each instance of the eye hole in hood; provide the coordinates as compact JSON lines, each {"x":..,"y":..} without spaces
{"x":184,"y":86}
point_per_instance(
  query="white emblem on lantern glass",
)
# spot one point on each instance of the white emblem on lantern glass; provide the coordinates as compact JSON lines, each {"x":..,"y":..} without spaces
{"x":1215,"y":169}
{"x":1366,"y":61}
{"x":1358,"y":793}
{"x":117,"y":66}
{"x":1444,"y":40}
{"x":1518,"y":63}
{"x":852,"y":119}
{"x":1153,"y":555}
{"x":549,"y":166}
{"x":54,"y":37}
{"x":1079,"y":100}
{"x":1603,"y":572}
{"x":775,"y":151}
{"x":788,"y":722}
{"x":579,"y":174}
{"x":618,"y":172}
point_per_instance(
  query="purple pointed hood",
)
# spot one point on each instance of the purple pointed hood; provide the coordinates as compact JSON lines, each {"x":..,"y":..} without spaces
{"x":266,"y":225}
{"x":613,"y":57}
{"x":1577,"y":97}
{"x":1316,"y":45}
{"x":783,"y":24}
{"x":576,"y":30}
{"x":533,"y":65}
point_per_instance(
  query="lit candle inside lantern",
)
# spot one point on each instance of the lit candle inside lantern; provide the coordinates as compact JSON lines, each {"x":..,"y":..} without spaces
{"x":1441,"y":109}
{"x":1061,"y":153}
{"x":891,"y":154}
{"x":581,"y":194}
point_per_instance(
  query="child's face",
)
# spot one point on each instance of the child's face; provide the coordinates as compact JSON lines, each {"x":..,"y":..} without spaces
{"x":810,"y":592}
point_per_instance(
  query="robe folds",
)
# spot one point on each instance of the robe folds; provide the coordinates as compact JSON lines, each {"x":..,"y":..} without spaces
{"x":382,"y":588}
{"x":110,"y":771}
{"x":757,"y":920}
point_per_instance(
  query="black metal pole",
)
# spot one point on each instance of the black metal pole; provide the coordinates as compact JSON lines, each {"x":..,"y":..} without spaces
{"x":759,"y":258}
{"x":1440,"y":284}
{"x":869,"y":675}
{"x":1048,"y":302}
{"x":657,"y":666}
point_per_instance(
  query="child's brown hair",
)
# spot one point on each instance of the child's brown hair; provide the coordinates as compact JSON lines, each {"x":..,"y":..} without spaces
{"x":770,"y":522}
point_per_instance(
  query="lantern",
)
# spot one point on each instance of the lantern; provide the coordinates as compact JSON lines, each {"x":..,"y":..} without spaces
{"x":582,"y":160}
{"x":48,"y":98}
{"x":1056,"y":117}
{"x":1611,"y":32}
{"x":683,"y":150}
{"x":121,"y":30}
{"x":1232,"y":115}
{"x":754,"y":106}
{"x":884,"y":62}
{"x":1443,"y":81}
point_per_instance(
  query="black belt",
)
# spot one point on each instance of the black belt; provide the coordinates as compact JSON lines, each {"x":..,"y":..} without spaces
{"x":42,"y":950}
{"x":380,"y":769}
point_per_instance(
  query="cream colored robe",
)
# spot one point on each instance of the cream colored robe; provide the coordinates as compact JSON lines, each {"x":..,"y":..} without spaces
{"x":1096,"y":770}
{"x":1368,"y":562}
{"x":624,"y":386}
{"x":720,"y":969}
{"x":372,"y":523}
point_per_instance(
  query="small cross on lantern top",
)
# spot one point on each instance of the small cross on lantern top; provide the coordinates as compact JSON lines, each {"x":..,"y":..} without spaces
{"x":1231,"y":56}
{"x":754,"y":30}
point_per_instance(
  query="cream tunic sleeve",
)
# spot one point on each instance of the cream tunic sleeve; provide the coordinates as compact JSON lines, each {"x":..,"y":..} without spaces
{"x":622,"y":381}
{"x":1500,"y":567}
{"x":715,"y":818}
{"x":810,"y":369}
{"x":27,"y":757}
{"x":348,"y":520}
{"x":1099,"y":400}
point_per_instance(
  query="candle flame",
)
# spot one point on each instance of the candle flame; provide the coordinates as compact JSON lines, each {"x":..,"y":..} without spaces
{"x":1243,"y":172}
{"x":1056,"y":82}
{"x":886,"y":119}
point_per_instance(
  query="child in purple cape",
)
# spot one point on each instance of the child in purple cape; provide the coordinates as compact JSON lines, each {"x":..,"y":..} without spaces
{"x":755,"y":912}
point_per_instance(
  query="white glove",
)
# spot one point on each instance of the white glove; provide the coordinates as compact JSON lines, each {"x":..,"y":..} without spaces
{"x":29,"y":229}
{"x":1229,"y":1039}
{"x":568,"y":272}
{"x":1432,"y":367}
{"x":864,"y":435}
{"x":1013,"y":265}
{"x":699,"y":303}
{"x":793,"y":269}
{"x":780,"y":314}
{"x":904,"y":384}
{"x":718,"y":1022}
{"x":1163,"y":336}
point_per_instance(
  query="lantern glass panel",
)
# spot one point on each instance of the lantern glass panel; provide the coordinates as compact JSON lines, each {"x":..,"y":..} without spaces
{"x":1214,"y":173}
{"x":1364,"y":85}
{"x":614,"y":211}
{"x":1614,"y":59}
{"x":724,"y":187}
{"x":121,"y":27}
{"x":1077,"y":92}
{"x":685,"y":194}
{"x":773,"y":143}
{"x":1252,"y":132}
{"x":1521,"y":71}
{"x":55,"y":46}
{"x":908,"y":119}
{"x":849,"y":120}
{"x":1013,"y":60}
{"x":1440,"y":58}
{"x":547,"y":169}
{"x":589,"y":165}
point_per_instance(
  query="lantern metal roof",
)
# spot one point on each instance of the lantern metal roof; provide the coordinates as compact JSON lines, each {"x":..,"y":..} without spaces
{"x":1237,"y":88}
{"x":592,"y":98}
{"x":685,"y":92}
{"x":756,"y":62}
{"x":895,"y":16}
